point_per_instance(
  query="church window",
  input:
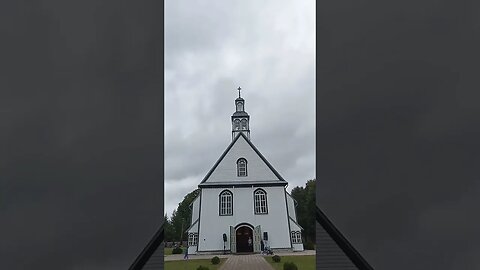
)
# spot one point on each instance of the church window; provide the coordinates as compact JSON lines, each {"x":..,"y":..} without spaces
{"x":244,"y":123}
{"x":296,"y":237}
{"x":236,"y":124}
{"x":260,"y":201}
{"x":192,"y":239}
{"x":226,"y":203}
{"x":241,"y":167}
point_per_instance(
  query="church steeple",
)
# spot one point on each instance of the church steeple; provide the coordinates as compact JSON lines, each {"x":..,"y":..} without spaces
{"x":240,"y":118}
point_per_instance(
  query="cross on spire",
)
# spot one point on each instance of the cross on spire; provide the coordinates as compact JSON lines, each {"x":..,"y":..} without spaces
{"x":239,"y":88}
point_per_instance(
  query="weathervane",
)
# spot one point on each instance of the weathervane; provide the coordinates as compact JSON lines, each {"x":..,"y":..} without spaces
{"x":239,"y":88}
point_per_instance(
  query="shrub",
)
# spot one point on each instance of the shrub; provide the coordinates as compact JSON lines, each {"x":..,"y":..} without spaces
{"x":290,"y":266}
{"x":201,"y":267}
{"x":276,"y":258}
{"x":177,"y":250}
{"x":309,"y":245}
{"x":215,"y":260}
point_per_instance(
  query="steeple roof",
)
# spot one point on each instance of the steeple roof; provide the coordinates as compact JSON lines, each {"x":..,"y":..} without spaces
{"x":240,"y":113}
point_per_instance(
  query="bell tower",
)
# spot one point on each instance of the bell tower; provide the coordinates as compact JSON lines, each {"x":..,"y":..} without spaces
{"x":240,"y":118}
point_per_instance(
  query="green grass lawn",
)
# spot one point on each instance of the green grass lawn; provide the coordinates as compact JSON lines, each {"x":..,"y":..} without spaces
{"x":302,"y":262}
{"x":192,"y":264}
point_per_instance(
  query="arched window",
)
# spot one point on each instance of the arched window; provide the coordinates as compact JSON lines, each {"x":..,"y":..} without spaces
{"x":192,"y":239}
{"x":299,"y":237}
{"x":260,"y":201}
{"x":225,"y":202}
{"x":244,"y":123}
{"x":241,"y":167}
{"x":236,"y":124}
{"x":296,"y":237}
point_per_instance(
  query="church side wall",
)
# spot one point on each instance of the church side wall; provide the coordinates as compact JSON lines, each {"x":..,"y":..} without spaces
{"x":212,"y":226}
{"x":298,"y":247}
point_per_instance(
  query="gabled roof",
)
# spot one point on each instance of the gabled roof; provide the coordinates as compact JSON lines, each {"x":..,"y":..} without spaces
{"x":239,"y":135}
{"x":296,"y":223}
{"x":191,"y":226}
{"x":294,"y":201}
{"x":196,"y":197}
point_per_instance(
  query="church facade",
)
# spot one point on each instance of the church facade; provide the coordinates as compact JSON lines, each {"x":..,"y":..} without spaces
{"x":243,"y":204}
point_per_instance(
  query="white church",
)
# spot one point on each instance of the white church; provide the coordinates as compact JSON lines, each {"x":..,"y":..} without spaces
{"x":243,"y":203}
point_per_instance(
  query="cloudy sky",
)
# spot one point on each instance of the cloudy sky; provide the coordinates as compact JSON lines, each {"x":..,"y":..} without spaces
{"x":211,"y":48}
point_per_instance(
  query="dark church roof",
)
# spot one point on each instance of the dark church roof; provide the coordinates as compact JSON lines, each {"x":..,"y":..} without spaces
{"x":242,"y":113}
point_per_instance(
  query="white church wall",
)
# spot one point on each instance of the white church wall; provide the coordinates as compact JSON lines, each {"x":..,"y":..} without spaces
{"x":276,"y":222}
{"x":192,"y":249}
{"x":212,"y":226}
{"x":257,"y":170}
{"x":297,"y":247}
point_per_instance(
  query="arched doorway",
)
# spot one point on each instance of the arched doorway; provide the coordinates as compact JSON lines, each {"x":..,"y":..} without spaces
{"x":243,"y":233}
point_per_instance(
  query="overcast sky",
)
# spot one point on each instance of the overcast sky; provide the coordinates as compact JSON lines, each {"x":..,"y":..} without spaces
{"x":211,"y":48}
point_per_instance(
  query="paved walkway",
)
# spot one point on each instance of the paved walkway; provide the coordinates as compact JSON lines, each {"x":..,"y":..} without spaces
{"x":250,"y":262}
{"x":177,"y":257}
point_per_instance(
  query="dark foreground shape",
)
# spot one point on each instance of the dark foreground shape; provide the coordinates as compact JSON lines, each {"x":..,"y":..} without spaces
{"x":341,"y":241}
{"x":147,"y":252}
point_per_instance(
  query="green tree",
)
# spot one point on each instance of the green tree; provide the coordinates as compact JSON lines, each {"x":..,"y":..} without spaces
{"x":181,"y":216}
{"x":305,"y":197}
{"x":169,"y":230}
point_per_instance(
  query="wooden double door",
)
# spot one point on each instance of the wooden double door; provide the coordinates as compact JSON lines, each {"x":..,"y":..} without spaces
{"x":244,"y":237}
